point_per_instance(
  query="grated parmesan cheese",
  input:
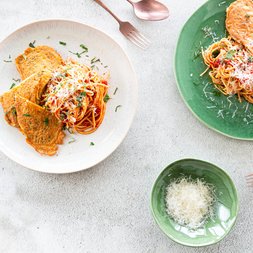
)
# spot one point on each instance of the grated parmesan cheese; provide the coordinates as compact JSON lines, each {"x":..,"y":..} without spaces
{"x":242,"y":62}
{"x":189,"y":202}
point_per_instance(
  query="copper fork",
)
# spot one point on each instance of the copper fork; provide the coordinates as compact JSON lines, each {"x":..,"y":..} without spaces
{"x":128,"y":30}
{"x":249,"y":180}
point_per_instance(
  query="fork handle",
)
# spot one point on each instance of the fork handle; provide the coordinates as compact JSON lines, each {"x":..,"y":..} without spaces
{"x":107,"y":9}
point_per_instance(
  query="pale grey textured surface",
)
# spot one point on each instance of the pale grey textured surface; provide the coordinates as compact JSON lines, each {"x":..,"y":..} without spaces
{"x":106,"y":208}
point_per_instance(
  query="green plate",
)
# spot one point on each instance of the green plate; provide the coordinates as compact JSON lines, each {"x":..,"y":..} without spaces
{"x":226,"y":207}
{"x":219,"y":112}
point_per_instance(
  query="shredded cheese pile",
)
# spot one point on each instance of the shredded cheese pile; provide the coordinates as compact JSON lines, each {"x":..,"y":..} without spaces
{"x":73,"y":86}
{"x":189,"y":202}
{"x":242,"y":62}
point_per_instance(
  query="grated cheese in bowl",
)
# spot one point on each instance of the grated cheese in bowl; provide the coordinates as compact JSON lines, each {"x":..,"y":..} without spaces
{"x":190,"y":202}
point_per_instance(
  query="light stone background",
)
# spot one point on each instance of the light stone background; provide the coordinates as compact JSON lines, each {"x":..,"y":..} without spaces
{"x":106,"y":208}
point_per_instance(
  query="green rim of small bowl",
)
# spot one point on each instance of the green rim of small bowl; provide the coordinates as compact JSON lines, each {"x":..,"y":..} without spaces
{"x":235,"y":121}
{"x":177,"y":236}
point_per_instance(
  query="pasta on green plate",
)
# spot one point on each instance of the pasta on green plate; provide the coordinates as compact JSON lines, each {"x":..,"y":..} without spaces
{"x":224,"y":114}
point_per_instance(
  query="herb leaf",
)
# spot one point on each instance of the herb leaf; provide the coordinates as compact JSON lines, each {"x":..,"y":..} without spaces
{"x":46,"y":121}
{"x":117,"y":107}
{"x":31,"y":44}
{"x":106,"y":98}
{"x":71,"y":140}
{"x":78,"y":54}
{"x":230,"y":54}
{"x":80,"y":98}
{"x":84,"y":47}
{"x":16,"y":80}
{"x":62,"y":43}
{"x":9,"y":59}
{"x":13,"y":84}
{"x":94,"y":60}
{"x":14,"y":111}
{"x":215,"y":53}
{"x":92,"y":143}
{"x":115,"y":91}
{"x":69,"y":130}
{"x":27,"y":115}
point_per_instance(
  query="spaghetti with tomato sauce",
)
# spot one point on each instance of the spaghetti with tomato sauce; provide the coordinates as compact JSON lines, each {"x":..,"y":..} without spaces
{"x":231,"y":68}
{"x":76,"y":96}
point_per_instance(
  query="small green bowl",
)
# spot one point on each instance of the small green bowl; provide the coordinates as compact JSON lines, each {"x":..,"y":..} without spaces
{"x":226,"y":207}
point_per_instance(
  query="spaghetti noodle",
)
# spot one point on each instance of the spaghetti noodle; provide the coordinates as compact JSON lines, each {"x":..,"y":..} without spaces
{"x":231,"y":68}
{"x":75,"y":95}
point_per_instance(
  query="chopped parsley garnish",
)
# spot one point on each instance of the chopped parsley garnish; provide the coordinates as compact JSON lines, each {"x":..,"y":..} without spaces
{"x":69,"y":130}
{"x":71,"y":140}
{"x":62,"y":43}
{"x":9,"y":60}
{"x":31,"y":44}
{"x":78,"y":54}
{"x":27,"y":115}
{"x":230,"y":54}
{"x":46,"y":121}
{"x":215,"y":53}
{"x":14,"y":111}
{"x":84,"y":47}
{"x":94,"y":60}
{"x":117,"y":107}
{"x":106,"y":98}
{"x":80,"y":98}
{"x":60,"y":75}
{"x":92,"y":143}
{"x":16,"y":80}
{"x":13,"y":84}
{"x":250,"y":59}
{"x":115,"y":91}
{"x":62,"y":116}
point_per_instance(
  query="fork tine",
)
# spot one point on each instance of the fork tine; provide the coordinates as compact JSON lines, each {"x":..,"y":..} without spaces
{"x":131,"y":33}
{"x":249,"y":180}
{"x":144,"y":39}
{"x":141,"y":38}
{"x":135,"y":40}
{"x":250,"y":185}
